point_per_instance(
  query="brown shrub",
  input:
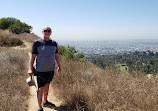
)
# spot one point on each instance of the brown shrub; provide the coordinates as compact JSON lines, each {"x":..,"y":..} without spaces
{"x":8,"y":41}
{"x":28,"y":37}
{"x":13,"y":89}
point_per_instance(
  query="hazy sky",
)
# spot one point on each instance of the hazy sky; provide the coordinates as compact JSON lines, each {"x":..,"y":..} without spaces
{"x":87,"y":19}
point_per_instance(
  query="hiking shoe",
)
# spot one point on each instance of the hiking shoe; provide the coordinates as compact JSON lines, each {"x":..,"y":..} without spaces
{"x":48,"y":104}
{"x":41,"y":109}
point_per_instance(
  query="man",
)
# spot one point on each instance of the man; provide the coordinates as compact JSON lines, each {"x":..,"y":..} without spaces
{"x":45,"y":52}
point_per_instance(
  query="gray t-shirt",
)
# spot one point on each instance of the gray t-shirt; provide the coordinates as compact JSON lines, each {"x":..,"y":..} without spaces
{"x":45,"y":51}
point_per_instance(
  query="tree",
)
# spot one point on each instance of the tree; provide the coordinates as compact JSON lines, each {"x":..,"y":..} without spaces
{"x":4,"y":23}
{"x":14,"y":25}
{"x":69,"y":52}
{"x":19,"y":27}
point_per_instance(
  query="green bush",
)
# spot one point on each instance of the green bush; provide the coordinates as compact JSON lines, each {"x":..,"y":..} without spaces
{"x":69,"y":52}
{"x":8,"y":41}
{"x":19,"y":27}
{"x":14,"y":25}
{"x":6,"y":22}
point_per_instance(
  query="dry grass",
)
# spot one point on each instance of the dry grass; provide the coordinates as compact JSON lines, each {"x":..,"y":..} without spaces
{"x":88,"y":88}
{"x":13,"y":67}
{"x":6,"y":41}
{"x":28,"y":37}
{"x":13,"y":88}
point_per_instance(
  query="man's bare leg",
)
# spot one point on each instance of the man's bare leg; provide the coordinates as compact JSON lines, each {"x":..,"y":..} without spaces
{"x":45,"y":90}
{"x":40,"y":96}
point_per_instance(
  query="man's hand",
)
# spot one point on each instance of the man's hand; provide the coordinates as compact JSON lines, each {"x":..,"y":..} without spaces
{"x":30,"y":72}
{"x":59,"y":69}
{"x":57,"y":58}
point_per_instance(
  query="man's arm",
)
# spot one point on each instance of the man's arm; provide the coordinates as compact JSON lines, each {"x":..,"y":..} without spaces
{"x":57,"y":58}
{"x":31,"y":62}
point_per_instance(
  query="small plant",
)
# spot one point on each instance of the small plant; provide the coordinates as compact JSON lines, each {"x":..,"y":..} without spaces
{"x":8,"y":41}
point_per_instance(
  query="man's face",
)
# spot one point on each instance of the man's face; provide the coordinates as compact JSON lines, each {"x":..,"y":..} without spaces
{"x":47,"y":32}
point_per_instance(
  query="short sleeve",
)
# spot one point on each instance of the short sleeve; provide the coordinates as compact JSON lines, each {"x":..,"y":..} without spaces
{"x":56,"y":48}
{"x":34,"y":48}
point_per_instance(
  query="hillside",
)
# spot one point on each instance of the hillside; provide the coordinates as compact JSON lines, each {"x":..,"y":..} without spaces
{"x":28,"y":37}
{"x":81,"y":86}
{"x":13,"y":68}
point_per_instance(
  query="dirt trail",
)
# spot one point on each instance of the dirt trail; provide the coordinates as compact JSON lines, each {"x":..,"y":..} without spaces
{"x":25,"y":46}
{"x":32,"y":101}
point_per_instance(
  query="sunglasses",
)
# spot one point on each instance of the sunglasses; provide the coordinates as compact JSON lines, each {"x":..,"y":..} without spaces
{"x":47,"y":31}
